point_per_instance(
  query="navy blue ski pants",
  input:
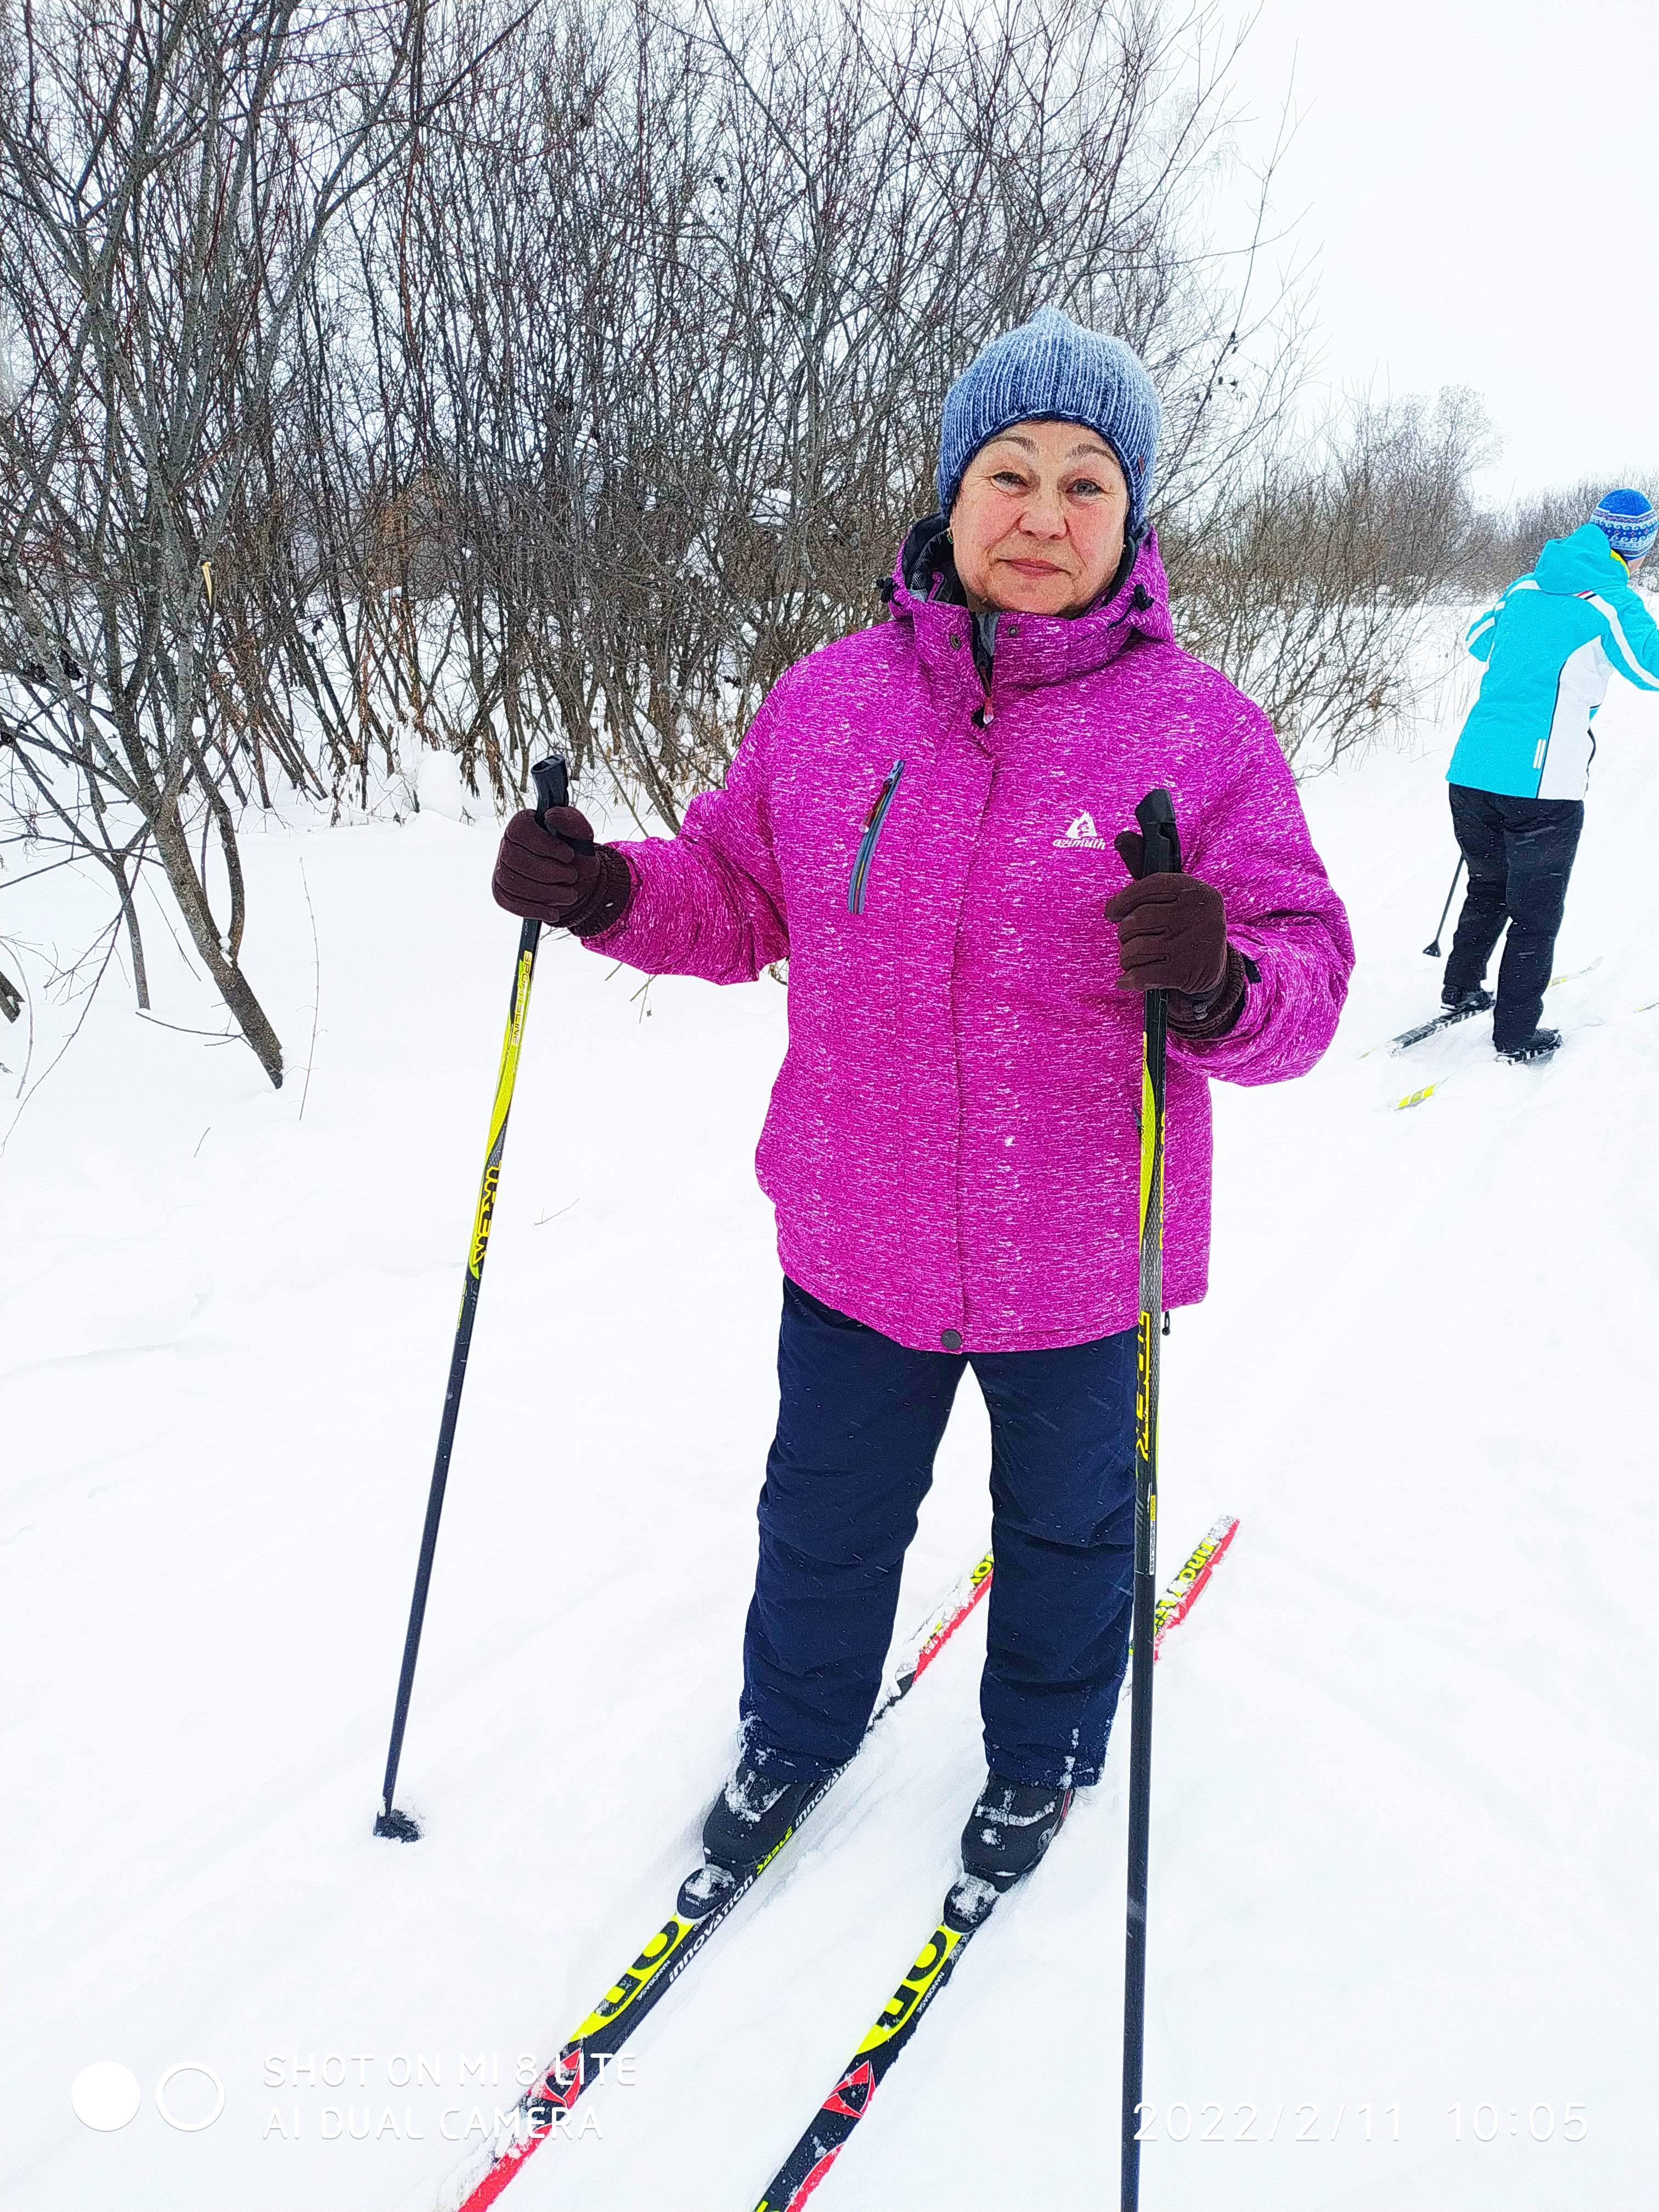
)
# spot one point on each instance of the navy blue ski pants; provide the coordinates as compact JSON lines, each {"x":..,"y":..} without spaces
{"x":1520,"y":853}
{"x":860,"y":1420}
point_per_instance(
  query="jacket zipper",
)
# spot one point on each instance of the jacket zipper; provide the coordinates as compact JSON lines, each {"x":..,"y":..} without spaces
{"x":867,"y":843}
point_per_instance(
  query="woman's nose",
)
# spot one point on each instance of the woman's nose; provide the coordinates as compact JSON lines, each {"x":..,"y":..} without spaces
{"x":1044,"y":515}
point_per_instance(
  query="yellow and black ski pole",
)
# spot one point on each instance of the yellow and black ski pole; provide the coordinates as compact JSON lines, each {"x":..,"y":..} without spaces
{"x":1161,"y":855}
{"x":552,"y":789}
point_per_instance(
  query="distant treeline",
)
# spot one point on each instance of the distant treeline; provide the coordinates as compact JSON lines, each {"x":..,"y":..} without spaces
{"x":500,"y":376}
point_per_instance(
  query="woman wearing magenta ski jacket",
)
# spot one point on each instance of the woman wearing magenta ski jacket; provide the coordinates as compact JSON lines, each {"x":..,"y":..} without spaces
{"x":926,"y":820}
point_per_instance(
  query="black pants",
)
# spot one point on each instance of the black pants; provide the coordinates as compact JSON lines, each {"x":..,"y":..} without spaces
{"x":859,"y":1422}
{"x":1520,"y":854}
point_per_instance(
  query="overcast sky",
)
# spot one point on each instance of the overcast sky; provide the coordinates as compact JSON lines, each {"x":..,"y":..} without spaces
{"x":1480,"y":185}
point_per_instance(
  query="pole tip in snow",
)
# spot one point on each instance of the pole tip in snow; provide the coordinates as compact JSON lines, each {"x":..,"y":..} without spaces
{"x":389,"y":1822}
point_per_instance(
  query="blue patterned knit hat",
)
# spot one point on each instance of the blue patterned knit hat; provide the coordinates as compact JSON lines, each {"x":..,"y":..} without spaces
{"x":1630,"y":522}
{"x":1052,"y":370}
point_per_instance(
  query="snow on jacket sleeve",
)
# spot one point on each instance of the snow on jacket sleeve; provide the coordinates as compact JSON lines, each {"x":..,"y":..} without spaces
{"x":710,"y":901}
{"x":1251,"y":842}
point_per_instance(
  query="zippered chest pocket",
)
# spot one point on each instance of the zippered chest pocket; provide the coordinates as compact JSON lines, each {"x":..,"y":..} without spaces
{"x":873,"y":822}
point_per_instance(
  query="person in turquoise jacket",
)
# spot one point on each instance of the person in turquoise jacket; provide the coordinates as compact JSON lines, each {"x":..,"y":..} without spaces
{"x":1551,"y":646}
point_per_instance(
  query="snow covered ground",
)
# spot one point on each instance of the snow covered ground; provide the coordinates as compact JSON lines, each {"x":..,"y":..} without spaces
{"x":1403,"y":1819}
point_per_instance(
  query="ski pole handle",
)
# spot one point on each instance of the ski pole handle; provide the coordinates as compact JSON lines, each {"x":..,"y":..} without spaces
{"x":552,"y":778}
{"x":1160,"y":839}
{"x":552,"y":781}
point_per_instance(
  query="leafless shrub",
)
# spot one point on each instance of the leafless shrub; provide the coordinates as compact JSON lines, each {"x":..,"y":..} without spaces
{"x":1509,"y":544}
{"x":167,"y":179}
{"x":614,"y":395}
{"x":658,"y":325}
{"x":1312,"y":584}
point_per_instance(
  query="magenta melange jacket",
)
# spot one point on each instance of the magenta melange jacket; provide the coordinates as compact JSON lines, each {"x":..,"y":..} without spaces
{"x":952,"y":1146}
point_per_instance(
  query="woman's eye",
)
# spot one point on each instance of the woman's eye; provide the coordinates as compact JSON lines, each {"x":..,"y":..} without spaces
{"x":1009,"y":479}
{"x":1086,"y":488}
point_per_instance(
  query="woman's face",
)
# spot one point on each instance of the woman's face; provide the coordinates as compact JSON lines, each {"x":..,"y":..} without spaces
{"x":1038,"y":523}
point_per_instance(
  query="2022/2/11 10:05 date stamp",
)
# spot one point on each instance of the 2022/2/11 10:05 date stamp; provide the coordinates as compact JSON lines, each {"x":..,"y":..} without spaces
{"x":1213,"y":2122}
{"x":1486,"y":2122}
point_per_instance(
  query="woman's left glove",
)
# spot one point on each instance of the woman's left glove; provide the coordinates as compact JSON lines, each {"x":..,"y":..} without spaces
{"x":557,"y":874}
{"x":1172,"y":936}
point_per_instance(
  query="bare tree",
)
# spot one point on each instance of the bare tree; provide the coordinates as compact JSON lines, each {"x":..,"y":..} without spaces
{"x":1314,"y":582}
{"x":1507,"y":545}
{"x":613,"y":397}
{"x":650,"y":346}
{"x":167,"y":178}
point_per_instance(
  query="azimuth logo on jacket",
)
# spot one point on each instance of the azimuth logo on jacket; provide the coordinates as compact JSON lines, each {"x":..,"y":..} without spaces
{"x":1082,"y":832}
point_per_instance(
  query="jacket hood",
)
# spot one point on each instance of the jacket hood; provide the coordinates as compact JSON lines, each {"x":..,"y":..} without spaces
{"x":1584,"y":563}
{"x":925,"y":590}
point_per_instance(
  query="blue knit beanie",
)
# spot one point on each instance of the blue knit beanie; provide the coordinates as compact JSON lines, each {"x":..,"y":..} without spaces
{"x":1630,"y":522}
{"x":1052,"y":370}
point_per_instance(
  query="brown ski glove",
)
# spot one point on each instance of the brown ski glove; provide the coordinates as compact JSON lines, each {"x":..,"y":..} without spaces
{"x":1172,"y":936}
{"x":557,"y":874}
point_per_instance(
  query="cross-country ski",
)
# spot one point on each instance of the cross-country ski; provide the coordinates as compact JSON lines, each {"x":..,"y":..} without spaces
{"x":699,"y":1909}
{"x":1477,"y":1002}
{"x":965,"y":1911}
{"x":1427,"y":1091}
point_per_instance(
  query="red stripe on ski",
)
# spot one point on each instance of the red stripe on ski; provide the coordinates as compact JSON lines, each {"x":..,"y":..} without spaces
{"x":860,"y":2083}
{"x":946,"y":1629}
{"x":812,"y":2181}
{"x":492,"y":2184}
{"x":1228,"y":1529}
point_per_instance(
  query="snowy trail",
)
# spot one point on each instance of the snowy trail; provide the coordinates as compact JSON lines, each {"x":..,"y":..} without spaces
{"x":1403,"y":1813}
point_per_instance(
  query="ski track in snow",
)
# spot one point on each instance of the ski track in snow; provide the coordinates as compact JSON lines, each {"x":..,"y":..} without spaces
{"x":1403,"y":1823}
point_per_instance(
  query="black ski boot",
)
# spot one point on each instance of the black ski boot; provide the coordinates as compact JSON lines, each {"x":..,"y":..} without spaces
{"x":750,"y":1818}
{"x":1466,"y":1002}
{"x":1010,"y":1828}
{"x":1542,"y":1044}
